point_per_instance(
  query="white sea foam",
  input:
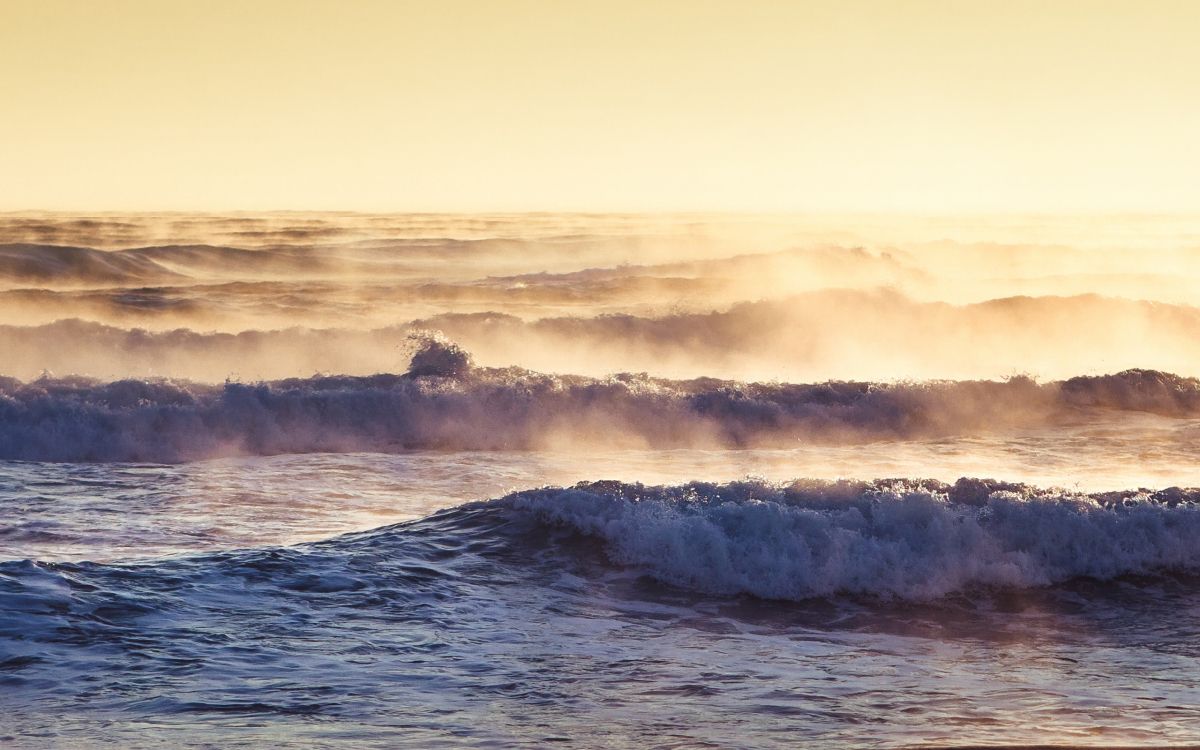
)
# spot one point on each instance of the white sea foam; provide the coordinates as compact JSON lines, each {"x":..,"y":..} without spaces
{"x":902,"y":539}
{"x":447,"y":404}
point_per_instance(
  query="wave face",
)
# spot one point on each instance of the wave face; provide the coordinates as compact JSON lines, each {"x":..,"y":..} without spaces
{"x":78,"y":419}
{"x":77,"y":266}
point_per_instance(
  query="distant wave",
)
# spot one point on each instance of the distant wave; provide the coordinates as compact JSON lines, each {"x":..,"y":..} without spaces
{"x":830,"y":334}
{"x":239,"y":306}
{"x":69,"y":266}
{"x":851,"y":329}
{"x":78,"y":419}
{"x":76,"y":346}
{"x":303,"y":255}
{"x":78,"y":266}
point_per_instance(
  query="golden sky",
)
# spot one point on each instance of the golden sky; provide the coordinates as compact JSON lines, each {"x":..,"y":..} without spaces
{"x":606,"y":105}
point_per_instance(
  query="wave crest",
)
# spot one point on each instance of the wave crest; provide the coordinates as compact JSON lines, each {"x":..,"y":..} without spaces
{"x":902,"y":539}
{"x":449,"y":407}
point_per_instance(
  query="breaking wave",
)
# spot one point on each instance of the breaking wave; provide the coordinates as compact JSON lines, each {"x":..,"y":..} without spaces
{"x":828,"y":334}
{"x":445,"y":402}
{"x":901,"y":539}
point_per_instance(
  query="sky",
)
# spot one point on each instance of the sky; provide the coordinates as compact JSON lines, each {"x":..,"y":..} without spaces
{"x":470,"y":105}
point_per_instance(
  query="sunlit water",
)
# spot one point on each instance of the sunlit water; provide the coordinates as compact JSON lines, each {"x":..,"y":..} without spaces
{"x":297,"y":574}
{"x":197,"y":605}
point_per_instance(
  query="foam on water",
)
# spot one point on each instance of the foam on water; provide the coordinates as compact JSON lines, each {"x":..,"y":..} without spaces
{"x":446,"y":404}
{"x":904,"y":539}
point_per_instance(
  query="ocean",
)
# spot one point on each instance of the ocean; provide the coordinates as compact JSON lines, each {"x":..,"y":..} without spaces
{"x":347,"y":480}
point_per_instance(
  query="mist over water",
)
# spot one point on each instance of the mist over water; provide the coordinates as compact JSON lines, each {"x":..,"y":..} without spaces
{"x":248,"y":297}
{"x":325,"y":479}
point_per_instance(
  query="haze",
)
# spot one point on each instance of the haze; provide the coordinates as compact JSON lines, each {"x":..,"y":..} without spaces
{"x":465,"y":105}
